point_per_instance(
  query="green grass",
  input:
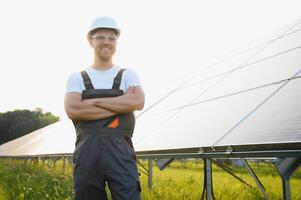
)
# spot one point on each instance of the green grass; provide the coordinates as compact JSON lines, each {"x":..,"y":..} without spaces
{"x":19,"y":181}
{"x":186,"y":182}
{"x":29,"y":182}
{"x":2,"y":194}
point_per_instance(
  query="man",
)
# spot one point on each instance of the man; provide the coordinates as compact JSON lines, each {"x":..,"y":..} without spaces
{"x":100,"y":101}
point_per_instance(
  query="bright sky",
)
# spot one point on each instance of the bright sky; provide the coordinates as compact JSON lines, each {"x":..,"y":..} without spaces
{"x":43,"y":42}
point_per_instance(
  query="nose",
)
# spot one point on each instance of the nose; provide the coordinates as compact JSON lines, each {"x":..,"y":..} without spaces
{"x":106,"y":41}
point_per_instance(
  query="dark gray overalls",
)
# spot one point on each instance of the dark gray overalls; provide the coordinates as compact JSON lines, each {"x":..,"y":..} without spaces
{"x":104,"y":152}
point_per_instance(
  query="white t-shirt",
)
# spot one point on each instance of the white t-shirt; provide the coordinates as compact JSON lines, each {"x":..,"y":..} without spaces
{"x":102,"y":79}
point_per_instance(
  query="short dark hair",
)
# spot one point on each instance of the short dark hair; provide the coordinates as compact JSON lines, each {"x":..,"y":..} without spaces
{"x":91,"y":33}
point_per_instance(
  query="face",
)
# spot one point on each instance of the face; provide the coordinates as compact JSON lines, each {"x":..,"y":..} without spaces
{"x":103,"y":41}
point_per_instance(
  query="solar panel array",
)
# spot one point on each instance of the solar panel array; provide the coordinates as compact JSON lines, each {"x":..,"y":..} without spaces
{"x":250,"y":97}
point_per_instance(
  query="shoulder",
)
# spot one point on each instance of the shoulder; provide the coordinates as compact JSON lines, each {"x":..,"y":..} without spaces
{"x":130,"y":73}
{"x":130,"y":78}
{"x":75,"y":76}
{"x":74,"y":82}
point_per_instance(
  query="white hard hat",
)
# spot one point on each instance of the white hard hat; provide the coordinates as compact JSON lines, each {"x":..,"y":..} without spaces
{"x":104,"y":22}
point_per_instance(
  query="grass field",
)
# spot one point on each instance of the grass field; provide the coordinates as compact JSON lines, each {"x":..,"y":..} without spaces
{"x":19,"y":181}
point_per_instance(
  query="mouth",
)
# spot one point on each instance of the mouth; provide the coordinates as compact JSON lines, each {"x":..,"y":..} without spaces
{"x":106,"y":48}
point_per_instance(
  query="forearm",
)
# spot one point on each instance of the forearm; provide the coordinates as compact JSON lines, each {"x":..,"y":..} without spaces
{"x":80,"y":111}
{"x":89,"y":113}
{"x":121,"y":104}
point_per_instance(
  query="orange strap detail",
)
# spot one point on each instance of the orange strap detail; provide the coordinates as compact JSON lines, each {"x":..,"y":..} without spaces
{"x":114,"y":123}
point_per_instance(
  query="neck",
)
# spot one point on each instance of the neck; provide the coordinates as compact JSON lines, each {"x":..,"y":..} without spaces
{"x":101,"y":64}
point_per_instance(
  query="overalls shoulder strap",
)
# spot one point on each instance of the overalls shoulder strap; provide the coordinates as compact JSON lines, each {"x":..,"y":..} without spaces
{"x":117,"y":79}
{"x":87,"y":80}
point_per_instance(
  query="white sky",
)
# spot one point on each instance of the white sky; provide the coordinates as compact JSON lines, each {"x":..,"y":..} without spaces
{"x":43,"y":42}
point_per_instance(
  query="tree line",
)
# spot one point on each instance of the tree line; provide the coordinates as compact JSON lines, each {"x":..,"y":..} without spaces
{"x":14,"y":124}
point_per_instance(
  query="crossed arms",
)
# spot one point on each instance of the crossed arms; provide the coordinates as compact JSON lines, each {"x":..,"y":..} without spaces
{"x":100,"y":108}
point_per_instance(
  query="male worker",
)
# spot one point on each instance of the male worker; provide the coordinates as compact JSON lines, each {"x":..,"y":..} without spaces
{"x":100,"y":101}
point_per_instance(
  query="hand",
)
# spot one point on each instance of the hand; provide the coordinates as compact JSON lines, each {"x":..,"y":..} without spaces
{"x":130,"y":90}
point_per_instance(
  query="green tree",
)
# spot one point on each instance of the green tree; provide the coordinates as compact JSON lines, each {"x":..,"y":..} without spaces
{"x":14,"y":124}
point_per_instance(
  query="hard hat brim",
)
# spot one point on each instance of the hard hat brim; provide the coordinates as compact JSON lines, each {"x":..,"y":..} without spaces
{"x":118,"y":31}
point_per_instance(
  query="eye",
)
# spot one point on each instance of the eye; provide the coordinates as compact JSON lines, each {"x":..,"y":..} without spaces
{"x":102,"y":38}
{"x":98,"y":37}
{"x":112,"y":39}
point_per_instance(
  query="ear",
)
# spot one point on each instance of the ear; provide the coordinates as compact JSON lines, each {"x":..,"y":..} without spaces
{"x":90,"y":40}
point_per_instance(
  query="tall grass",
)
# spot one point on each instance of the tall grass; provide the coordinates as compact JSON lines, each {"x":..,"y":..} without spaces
{"x":30,"y":182}
{"x":181,"y":180}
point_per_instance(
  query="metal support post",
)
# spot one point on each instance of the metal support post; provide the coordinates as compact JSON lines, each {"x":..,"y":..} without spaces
{"x":64,"y":165}
{"x":252,"y":173}
{"x":54,"y":163}
{"x":43,"y":162}
{"x":285,"y":169}
{"x":143,"y":169}
{"x":150,"y":173}
{"x":208,"y":187}
{"x":37,"y":161}
{"x":229,"y":170}
{"x":286,"y":188}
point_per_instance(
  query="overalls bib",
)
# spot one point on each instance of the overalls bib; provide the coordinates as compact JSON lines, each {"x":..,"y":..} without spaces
{"x":104,"y":152}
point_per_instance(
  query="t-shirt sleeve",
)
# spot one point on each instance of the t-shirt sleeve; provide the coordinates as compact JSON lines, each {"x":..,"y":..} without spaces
{"x":131,"y":78}
{"x":74,"y":83}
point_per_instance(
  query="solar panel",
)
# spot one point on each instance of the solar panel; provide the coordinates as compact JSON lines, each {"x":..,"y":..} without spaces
{"x":280,"y":46}
{"x":199,"y":125}
{"x":57,"y":138}
{"x":277,"y":121}
{"x":234,"y":89}
{"x":296,"y":27}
